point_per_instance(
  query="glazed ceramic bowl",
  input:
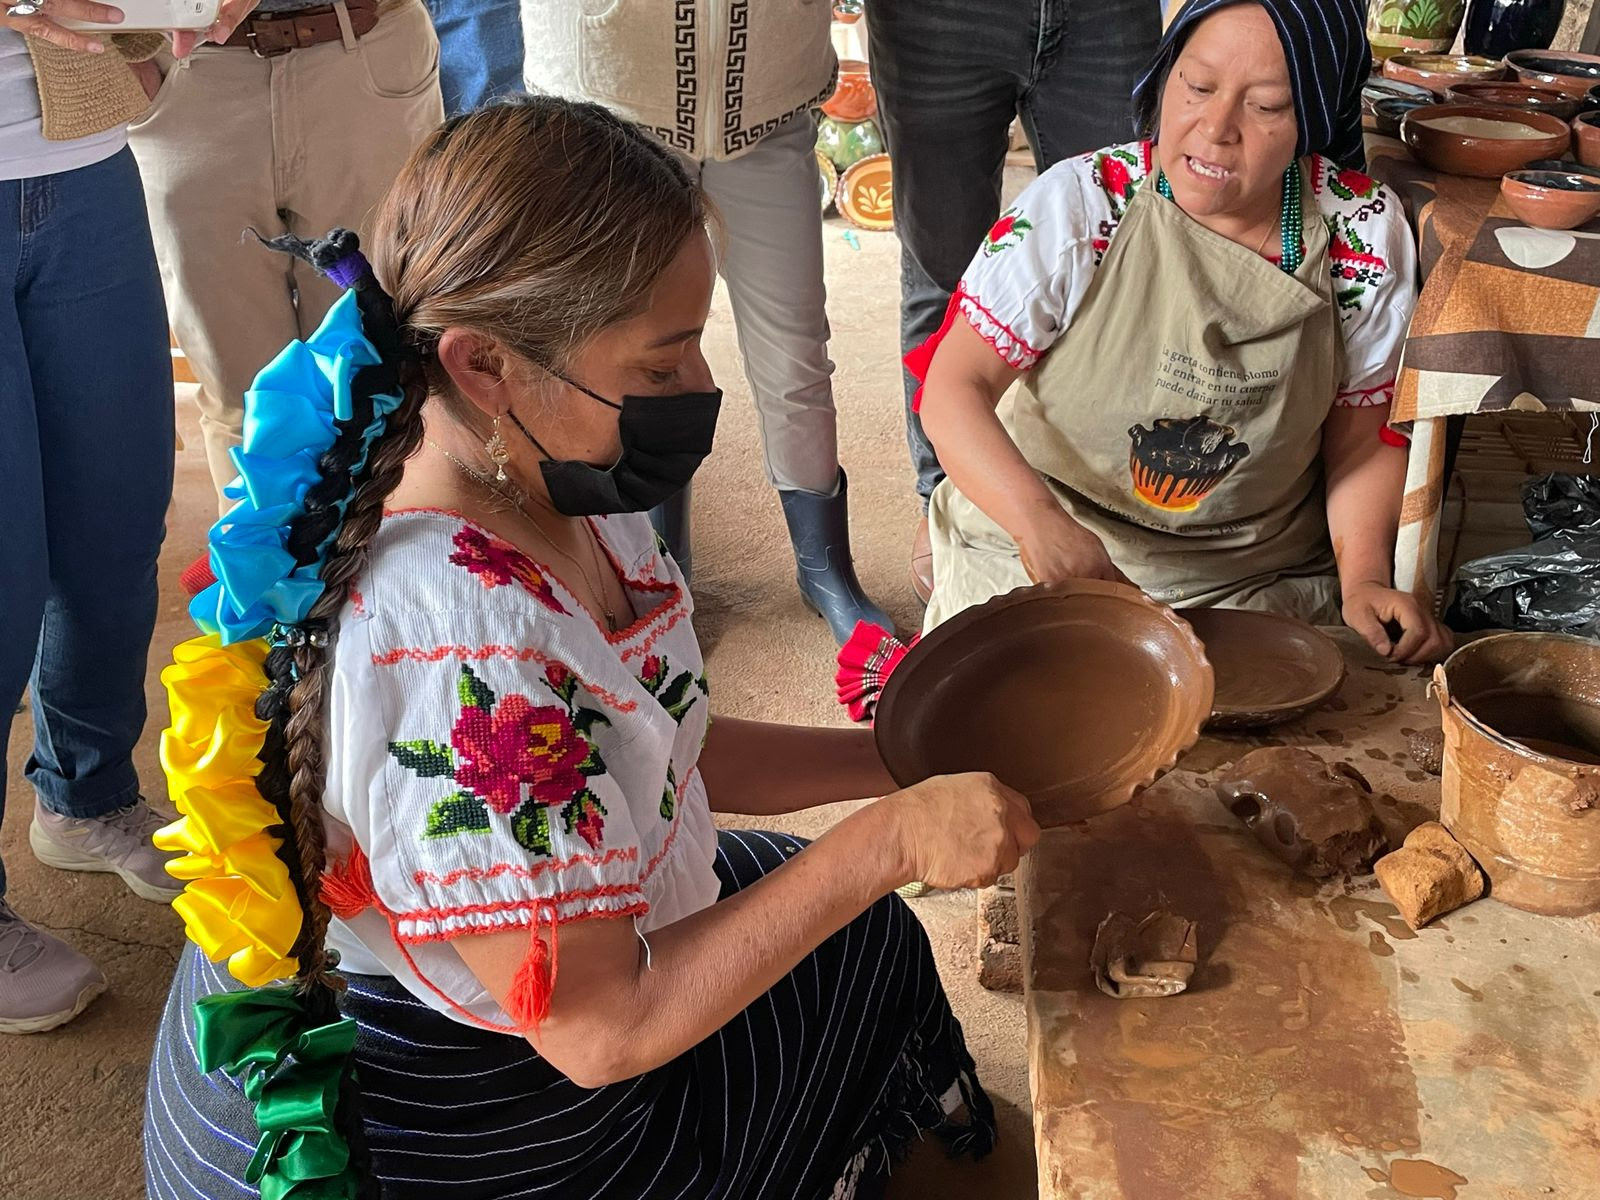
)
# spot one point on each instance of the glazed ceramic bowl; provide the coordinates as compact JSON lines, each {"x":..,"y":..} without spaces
{"x":1378,"y":88}
{"x":848,"y":142}
{"x":1515,"y":95}
{"x":1564,"y":70}
{"x":1387,"y":112}
{"x":1586,"y":139}
{"x":827,"y":179}
{"x":1563,"y":164}
{"x":1552,"y":199}
{"x":1591,"y":100}
{"x":1076,"y":694}
{"x":1438,"y":72}
{"x":1269,"y":668}
{"x":853,"y":98}
{"x":1488,"y":147}
{"x":865,"y":195}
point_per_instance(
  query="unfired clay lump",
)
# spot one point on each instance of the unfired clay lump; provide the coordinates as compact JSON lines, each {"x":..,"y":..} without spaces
{"x":1430,"y":875}
{"x":1314,"y":816}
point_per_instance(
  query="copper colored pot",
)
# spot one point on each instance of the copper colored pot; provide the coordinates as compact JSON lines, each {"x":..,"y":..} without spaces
{"x":1521,"y":779}
{"x":1486,"y":157}
{"x":853,"y":99}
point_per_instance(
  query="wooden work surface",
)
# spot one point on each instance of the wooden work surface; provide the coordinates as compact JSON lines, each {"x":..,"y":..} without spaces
{"x":1322,"y":1042}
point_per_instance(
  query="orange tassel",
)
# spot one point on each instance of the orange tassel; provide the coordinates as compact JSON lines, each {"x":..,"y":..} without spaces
{"x":347,"y":888}
{"x":528,"y":1002}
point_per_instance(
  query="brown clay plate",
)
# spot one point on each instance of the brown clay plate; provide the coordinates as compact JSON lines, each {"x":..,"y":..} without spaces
{"x":1076,"y":694}
{"x":866,"y":196}
{"x":1269,"y":668}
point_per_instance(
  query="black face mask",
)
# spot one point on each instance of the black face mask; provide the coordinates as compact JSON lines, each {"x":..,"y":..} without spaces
{"x":664,"y":441}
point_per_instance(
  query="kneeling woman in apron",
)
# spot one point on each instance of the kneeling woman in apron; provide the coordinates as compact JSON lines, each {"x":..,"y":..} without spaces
{"x":1206,"y":327}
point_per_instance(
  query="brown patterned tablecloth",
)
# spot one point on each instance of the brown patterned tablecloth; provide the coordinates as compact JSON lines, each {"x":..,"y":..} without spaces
{"x":1508,"y":319}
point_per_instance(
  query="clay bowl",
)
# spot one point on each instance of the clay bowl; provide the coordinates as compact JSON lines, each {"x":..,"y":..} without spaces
{"x":1388,"y":112}
{"x":853,"y":98}
{"x":1565,"y":71}
{"x":1487,"y":157}
{"x":865,"y":195}
{"x":1591,"y":100}
{"x":1515,"y":95}
{"x":827,"y":179}
{"x":1520,"y":786}
{"x":1586,"y":139}
{"x":1552,"y":199}
{"x":1269,"y":668}
{"x":1076,"y":694}
{"x":1438,"y":72}
{"x":1564,"y":164}
{"x":1378,"y":88}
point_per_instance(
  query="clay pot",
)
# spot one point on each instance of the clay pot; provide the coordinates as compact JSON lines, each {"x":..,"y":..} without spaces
{"x":1586,"y":138}
{"x":827,"y":178}
{"x":1388,"y":112}
{"x":1439,"y":72}
{"x":865,"y":194}
{"x":845,"y":143}
{"x":1515,"y":95}
{"x":1552,"y":199}
{"x":1486,"y":157}
{"x":1497,"y":27}
{"x":1565,"y":71}
{"x":1521,"y":771}
{"x":1269,"y":668}
{"x":1428,"y":25}
{"x":1076,"y":694}
{"x":853,"y":98}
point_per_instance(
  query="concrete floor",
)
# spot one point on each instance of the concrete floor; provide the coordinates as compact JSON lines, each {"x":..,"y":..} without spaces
{"x":70,"y":1110}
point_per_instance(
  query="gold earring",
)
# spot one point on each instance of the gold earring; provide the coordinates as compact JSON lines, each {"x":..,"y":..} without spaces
{"x":499,"y":453}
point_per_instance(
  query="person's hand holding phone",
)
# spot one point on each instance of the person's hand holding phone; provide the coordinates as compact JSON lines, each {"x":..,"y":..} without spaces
{"x":229,"y":17}
{"x":41,"y":21}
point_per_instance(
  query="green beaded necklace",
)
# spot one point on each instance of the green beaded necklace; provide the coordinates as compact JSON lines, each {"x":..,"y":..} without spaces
{"x":1289,"y":218}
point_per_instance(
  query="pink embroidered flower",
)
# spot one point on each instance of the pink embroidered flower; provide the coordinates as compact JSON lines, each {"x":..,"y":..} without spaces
{"x":557,"y":675}
{"x":1114,"y":174}
{"x":499,"y":564}
{"x":1002,"y":228}
{"x":519,"y":743}
{"x":651,"y":668}
{"x":590,"y":826}
{"x":1355,"y":182}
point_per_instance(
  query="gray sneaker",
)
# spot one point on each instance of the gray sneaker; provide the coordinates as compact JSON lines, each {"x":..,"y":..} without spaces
{"x":43,"y":981}
{"x":118,"y":841}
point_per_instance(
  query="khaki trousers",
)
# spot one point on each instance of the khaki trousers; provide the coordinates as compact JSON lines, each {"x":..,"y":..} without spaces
{"x":295,"y":144}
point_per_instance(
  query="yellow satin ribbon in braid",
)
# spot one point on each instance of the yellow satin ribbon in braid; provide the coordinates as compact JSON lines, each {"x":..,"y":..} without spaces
{"x":238,"y":903}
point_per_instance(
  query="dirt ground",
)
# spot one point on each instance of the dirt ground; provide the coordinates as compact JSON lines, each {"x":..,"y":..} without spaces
{"x":71,"y":1106}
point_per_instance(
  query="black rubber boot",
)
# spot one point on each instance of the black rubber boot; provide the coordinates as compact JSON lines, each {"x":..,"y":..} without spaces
{"x":671,"y":521}
{"x":819,"y":528}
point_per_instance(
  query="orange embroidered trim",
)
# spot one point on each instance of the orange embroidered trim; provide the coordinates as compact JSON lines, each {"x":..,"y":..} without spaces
{"x":389,"y":658}
{"x":518,"y":871}
{"x":358,"y":604}
{"x":1364,"y":397}
{"x":677,"y":817}
{"x":606,"y":891}
{"x":655,"y":636}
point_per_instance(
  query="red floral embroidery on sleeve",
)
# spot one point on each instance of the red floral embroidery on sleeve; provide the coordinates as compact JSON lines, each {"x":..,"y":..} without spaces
{"x":499,"y":564}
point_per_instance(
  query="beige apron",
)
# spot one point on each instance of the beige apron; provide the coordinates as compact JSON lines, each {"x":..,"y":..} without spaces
{"x":1180,"y":419}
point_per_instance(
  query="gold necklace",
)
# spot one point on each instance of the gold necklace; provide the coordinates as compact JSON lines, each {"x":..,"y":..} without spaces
{"x":515,"y":498}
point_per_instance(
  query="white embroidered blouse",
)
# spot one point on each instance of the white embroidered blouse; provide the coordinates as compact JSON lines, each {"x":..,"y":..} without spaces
{"x":1036,"y":263}
{"x":502,"y":760}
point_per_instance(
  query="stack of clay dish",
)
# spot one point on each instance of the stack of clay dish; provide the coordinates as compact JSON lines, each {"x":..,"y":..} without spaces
{"x":1586,"y":138}
{"x":1076,"y":694}
{"x":1388,"y":112}
{"x":865,"y":195}
{"x":1521,"y":770}
{"x":1438,"y":72}
{"x":1515,"y":95}
{"x":1481,"y":140}
{"x":1268,"y":668}
{"x":1564,"y":70}
{"x":1552,"y":199}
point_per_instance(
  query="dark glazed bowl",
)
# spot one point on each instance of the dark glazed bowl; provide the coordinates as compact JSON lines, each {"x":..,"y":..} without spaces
{"x":1564,"y":70}
{"x":1515,"y":95}
{"x":1552,"y":199}
{"x":1436,"y":72}
{"x":1387,"y":112}
{"x":1486,"y":157}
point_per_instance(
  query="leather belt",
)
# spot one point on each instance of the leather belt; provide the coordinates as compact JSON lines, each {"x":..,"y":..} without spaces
{"x":270,"y":34}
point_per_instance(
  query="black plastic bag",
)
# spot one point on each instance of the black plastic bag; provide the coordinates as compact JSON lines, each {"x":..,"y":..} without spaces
{"x":1552,"y":585}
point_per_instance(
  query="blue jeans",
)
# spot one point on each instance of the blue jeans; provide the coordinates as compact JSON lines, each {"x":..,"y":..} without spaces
{"x":950,"y":76}
{"x":86,"y":417}
{"x":480,"y":50}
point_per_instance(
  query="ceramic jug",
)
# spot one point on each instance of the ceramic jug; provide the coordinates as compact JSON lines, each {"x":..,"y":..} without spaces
{"x":1426,"y":26}
{"x":1497,"y":27}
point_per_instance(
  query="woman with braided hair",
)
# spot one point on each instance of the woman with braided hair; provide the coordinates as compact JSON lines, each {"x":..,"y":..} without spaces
{"x":445,"y":765}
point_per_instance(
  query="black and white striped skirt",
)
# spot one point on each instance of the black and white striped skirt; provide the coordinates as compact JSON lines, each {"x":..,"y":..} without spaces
{"x":813,"y":1091}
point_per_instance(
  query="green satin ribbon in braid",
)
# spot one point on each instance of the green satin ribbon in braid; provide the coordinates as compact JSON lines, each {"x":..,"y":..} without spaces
{"x":1290,"y":217}
{"x":292,"y":1071}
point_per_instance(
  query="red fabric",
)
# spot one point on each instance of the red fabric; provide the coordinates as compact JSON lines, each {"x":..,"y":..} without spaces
{"x":1393,"y":437}
{"x":865,"y":663}
{"x":918,"y":360}
{"x":197,"y":576}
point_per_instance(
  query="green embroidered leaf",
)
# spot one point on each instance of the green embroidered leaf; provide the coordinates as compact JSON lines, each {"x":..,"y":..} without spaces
{"x":1350,"y":297}
{"x":672,"y":695}
{"x":1339,"y":190}
{"x":592,"y":764}
{"x":704,"y":686}
{"x":530,"y":825}
{"x":585,"y":719}
{"x":460,"y":812}
{"x":427,"y":758}
{"x":669,"y":804}
{"x":474,"y":692}
{"x":582,"y":815}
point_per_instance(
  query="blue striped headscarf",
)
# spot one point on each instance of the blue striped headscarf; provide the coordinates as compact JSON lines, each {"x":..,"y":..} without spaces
{"x":1325,"y":43}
